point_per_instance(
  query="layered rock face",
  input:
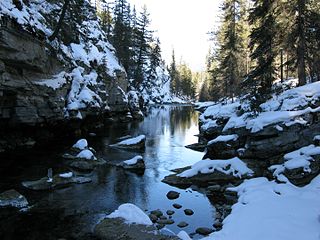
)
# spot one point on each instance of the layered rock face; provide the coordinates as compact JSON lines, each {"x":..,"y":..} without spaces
{"x":59,"y":87}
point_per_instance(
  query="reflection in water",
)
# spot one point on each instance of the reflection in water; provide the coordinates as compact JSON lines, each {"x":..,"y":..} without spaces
{"x":168,"y":129}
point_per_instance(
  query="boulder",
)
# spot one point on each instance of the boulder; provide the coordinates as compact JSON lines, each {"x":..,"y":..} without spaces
{"x":188,"y":212}
{"x":12,"y":198}
{"x":182,"y":224}
{"x":136,"y":143}
{"x":56,"y":182}
{"x":201,"y":180}
{"x":136,"y":163}
{"x":173,"y":195}
{"x":204,"y":231}
{"x":117,"y":229}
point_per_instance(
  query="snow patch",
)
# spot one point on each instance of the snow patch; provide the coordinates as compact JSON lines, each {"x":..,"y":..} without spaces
{"x":81,"y":144}
{"x":131,"y":214}
{"x":267,"y":210}
{"x":86,"y":154}
{"x":224,"y":138}
{"x":233,"y":166}
{"x":133,"y":161}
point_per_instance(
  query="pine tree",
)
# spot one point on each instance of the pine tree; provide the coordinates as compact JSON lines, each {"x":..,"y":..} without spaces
{"x":143,"y":37}
{"x":264,"y":49}
{"x":233,"y":49}
{"x":154,"y":61}
{"x":121,"y":37}
{"x":174,"y":75}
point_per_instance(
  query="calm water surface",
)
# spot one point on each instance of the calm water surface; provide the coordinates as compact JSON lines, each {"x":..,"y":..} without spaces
{"x":72,"y":212}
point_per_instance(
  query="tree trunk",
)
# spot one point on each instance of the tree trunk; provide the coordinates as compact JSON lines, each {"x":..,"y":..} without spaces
{"x":59,"y":25}
{"x":301,"y":43}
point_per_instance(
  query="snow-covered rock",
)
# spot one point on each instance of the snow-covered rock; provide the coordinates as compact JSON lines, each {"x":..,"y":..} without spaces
{"x":132,"y":214}
{"x":12,"y":198}
{"x":233,"y":166}
{"x":81,"y":144}
{"x":267,"y":210}
{"x":132,"y":143}
{"x":86,"y":154}
{"x":136,"y":163}
{"x":299,"y":166}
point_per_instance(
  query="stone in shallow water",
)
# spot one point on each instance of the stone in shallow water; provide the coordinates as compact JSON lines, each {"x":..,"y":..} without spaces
{"x":176,"y":205}
{"x":165,"y":221}
{"x":188,"y":212}
{"x":204,"y":231}
{"x":157,"y":213}
{"x":12,"y":198}
{"x":153,"y":218}
{"x":170,"y":212}
{"x":173,"y":195}
{"x":182,"y":224}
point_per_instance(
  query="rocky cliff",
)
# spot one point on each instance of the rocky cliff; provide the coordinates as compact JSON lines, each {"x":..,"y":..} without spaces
{"x":57,"y":87}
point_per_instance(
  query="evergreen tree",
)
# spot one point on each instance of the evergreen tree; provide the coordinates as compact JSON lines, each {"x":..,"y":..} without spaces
{"x":142,"y":40}
{"x":174,"y":75}
{"x":154,"y":61}
{"x":264,"y":49}
{"x":121,"y":37}
{"x":233,"y":49}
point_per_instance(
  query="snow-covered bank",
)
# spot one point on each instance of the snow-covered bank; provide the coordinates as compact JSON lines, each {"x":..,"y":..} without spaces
{"x":267,"y":210}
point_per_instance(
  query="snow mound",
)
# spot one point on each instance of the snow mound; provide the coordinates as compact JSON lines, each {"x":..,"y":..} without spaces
{"x":300,"y":158}
{"x":66,"y":175}
{"x":233,"y":166}
{"x":133,"y":161}
{"x":131,"y":214}
{"x":81,"y":144}
{"x":288,"y":108}
{"x":267,"y":210}
{"x":86,"y":154}
{"x":183,"y":235}
{"x":132,"y":141}
{"x":224,"y":138}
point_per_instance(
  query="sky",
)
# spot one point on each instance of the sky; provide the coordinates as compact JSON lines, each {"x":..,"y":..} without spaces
{"x":183,"y":25}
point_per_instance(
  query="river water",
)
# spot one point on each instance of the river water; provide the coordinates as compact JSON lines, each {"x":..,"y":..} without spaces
{"x":72,"y":212}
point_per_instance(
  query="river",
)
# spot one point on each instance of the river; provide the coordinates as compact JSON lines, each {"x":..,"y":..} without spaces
{"x":72,"y":212}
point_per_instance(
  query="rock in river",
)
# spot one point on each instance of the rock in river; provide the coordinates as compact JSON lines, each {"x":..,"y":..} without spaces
{"x":188,"y":212}
{"x":176,"y":205}
{"x":136,"y":143}
{"x":173,"y":195}
{"x":56,"y":182}
{"x":135,"y":163}
{"x":12,"y":198}
{"x":182,"y":224}
{"x":204,"y":231}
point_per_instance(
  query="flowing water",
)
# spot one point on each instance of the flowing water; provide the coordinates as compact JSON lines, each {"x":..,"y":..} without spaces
{"x":72,"y":212}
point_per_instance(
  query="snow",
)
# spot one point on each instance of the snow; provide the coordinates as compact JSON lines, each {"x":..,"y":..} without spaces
{"x":86,"y":154}
{"x":81,"y":96}
{"x":133,"y":161}
{"x":131,"y":214}
{"x":287,"y":108}
{"x":300,"y":158}
{"x":66,"y":175}
{"x":220,"y":110}
{"x":56,"y":82}
{"x":183,"y":235}
{"x":233,"y":166}
{"x":81,"y":144}
{"x":267,"y":118}
{"x":267,"y":210}
{"x":200,"y":105}
{"x":224,"y":138}
{"x":132,"y":141}
{"x":316,"y":138}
